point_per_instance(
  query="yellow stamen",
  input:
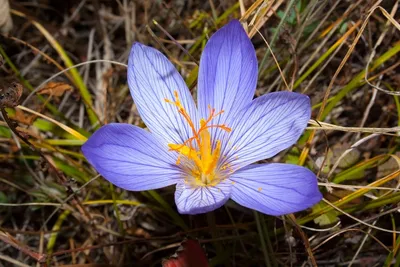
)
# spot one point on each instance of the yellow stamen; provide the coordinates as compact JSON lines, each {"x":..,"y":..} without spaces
{"x":205,"y":147}
{"x":204,"y":156}
{"x":183,"y":112}
{"x":214,"y":158}
{"x":188,"y":152}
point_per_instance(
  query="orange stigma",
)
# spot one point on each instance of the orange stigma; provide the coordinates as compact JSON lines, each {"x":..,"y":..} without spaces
{"x":198,"y":148}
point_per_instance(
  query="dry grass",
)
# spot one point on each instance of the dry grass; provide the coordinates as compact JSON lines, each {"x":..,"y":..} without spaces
{"x":343,"y":54}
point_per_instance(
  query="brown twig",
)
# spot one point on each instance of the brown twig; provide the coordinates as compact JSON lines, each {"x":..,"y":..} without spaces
{"x":5,"y":237}
{"x":304,"y":237}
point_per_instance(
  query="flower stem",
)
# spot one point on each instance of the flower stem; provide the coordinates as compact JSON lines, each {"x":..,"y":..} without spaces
{"x":268,"y":239}
{"x":263,"y":245}
{"x":214,"y":232}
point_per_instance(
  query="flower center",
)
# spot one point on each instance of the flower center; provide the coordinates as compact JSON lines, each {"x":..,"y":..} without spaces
{"x":199,"y":154}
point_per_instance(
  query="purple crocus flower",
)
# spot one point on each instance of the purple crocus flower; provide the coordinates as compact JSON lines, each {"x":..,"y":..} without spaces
{"x":208,"y":150}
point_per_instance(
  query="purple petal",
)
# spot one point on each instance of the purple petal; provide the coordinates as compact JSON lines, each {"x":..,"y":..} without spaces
{"x":152,"y":79}
{"x":201,"y":199}
{"x":131,"y":158}
{"x":270,"y":124}
{"x":275,"y":189}
{"x":228,"y":72}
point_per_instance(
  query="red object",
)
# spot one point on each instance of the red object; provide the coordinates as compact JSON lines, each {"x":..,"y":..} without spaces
{"x":189,"y":254}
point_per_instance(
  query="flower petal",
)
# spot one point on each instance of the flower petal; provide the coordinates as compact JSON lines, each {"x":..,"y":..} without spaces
{"x":152,"y":79}
{"x":131,"y":158}
{"x":270,"y":124}
{"x":201,"y":199}
{"x":275,"y":188}
{"x":228,"y":72}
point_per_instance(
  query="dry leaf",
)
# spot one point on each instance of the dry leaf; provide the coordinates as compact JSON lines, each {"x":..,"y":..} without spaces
{"x":55,"y":89}
{"x":22,"y":118}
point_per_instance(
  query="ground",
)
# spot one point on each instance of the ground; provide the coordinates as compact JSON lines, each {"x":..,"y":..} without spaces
{"x":56,"y":211}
